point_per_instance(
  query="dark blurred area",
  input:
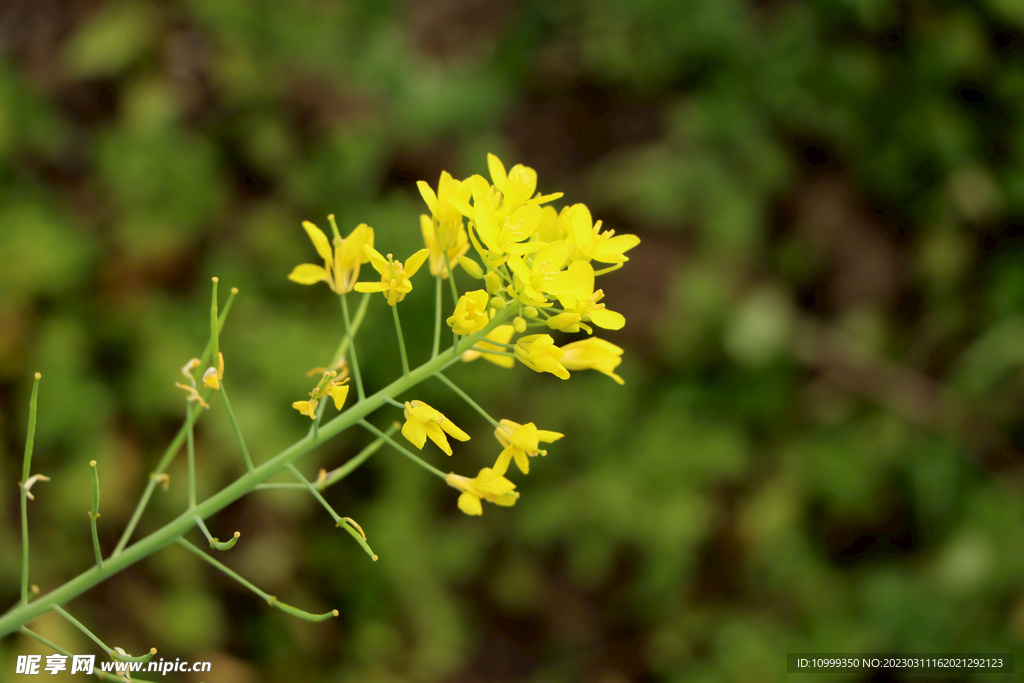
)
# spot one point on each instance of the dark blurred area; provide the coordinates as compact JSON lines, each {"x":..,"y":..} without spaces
{"x":818,"y":446}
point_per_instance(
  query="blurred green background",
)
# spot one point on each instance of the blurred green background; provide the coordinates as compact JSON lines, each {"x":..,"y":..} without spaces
{"x":818,"y":446}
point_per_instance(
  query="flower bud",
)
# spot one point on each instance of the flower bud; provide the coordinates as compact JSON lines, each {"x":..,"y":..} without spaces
{"x":497,"y":303}
{"x":492,"y":282}
{"x":519,"y":324}
{"x":530,"y":312}
{"x":471,"y":267}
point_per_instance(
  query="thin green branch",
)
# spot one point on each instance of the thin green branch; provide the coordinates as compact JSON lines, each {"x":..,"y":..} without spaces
{"x":175,"y":445}
{"x":336,"y":475}
{"x":95,"y":513}
{"x":397,"y":404}
{"x":338,"y":519}
{"x":191,"y":458}
{"x":271,"y":600}
{"x":465,"y":397}
{"x":112,"y":652}
{"x":405,"y":451}
{"x":437,"y":316}
{"x":350,"y":333}
{"x":214,"y":324}
{"x":401,"y":340}
{"x":238,"y":432}
{"x":26,"y":469}
{"x":455,"y":293}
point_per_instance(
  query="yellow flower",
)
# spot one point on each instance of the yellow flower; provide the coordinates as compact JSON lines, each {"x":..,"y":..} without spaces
{"x":517,"y":185}
{"x":539,"y":353}
{"x":574,"y":288}
{"x":447,"y":208}
{"x":394,"y":277}
{"x":593,"y":354}
{"x":470,"y":313}
{"x":437,"y":256}
{"x":329,"y":385}
{"x":520,"y":441}
{"x":501,"y":334}
{"x":504,"y":233}
{"x":422,"y":421}
{"x":487,"y":485}
{"x":341,"y":265}
{"x":213,"y":376}
{"x":590,"y":242}
{"x":533,"y":280}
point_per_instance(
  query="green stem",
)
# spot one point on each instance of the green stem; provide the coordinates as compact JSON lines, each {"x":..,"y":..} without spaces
{"x":191,"y":458}
{"x":238,"y":432}
{"x":397,"y":404}
{"x":26,"y":469}
{"x":335,"y":475}
{"x":352,"y":345}
{"x":271,"y":600}
{"x":465,"y":397}
{"x":95,"y":512}
{"x":214,"y":325}
{"x":114,"y":654}
{"x":175,"y":445}
{"x":19,"y":615}
{"x":455,"y":293}
{"x":404,"y":451}
{"x":338,"y":519}
{"x":401,"y":340}
{"x":357,"y":321}
{"x":437,"y":316}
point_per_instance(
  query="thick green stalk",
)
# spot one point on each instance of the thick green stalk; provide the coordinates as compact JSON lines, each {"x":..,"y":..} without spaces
{"x":19,"y":615}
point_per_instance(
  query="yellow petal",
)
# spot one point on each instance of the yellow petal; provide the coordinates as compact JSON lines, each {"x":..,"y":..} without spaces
{"x":415,"y":432}
{"x":449,"y":426}
{"x":577,"y":280}
{"x":428,"y":195}
{"x":339,"y":392}
{"x":470,"y":504}
{"x":308,"y":274}
{"x":609,"y":320}
{"x":413,"y":263}
{"x":319,"y":239}
{"x":497,"y":170}
{"x":435,"y":434}
{"x":370,"y":286}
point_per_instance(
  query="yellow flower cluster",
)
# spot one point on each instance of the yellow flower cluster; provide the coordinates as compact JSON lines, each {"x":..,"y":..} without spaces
{"x":540,"y":263}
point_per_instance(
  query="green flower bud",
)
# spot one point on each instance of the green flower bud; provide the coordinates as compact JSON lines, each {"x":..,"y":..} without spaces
{"x":530,"y":312}
{"x":519,"y":324}
{"x":498,"y":304}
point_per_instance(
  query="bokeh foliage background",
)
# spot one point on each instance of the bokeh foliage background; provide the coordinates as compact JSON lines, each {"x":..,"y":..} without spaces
{"x":818,"y":445}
